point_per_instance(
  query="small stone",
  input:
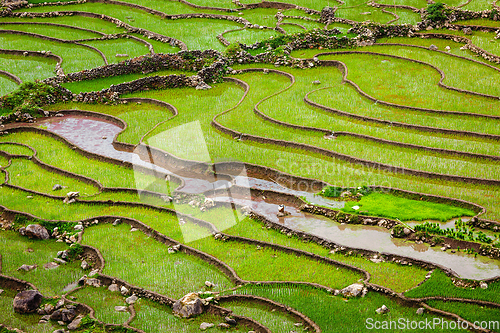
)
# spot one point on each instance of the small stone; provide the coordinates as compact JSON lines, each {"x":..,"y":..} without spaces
{"x":131,"y":300}
{"x":209,"y":284}
{"x":117,"y":222}
{"x":133,"y":229}
{"x":93,"y":282}
{"x":48,"y":308}
{"x":352,"y":290}
{"x":224,"y":325}
{"x":204,"y":326}
{"x":383,"y":309}
{"x":78,"y":227}
{"x":27,"y":268}
{"x":420,"y":311}
{"x":60,"y":261}
{"x":75,"y":324}
{"x":433,"y":47}
{"x":85,"y":265}
{"x":57,"y":187}
{"x":113,"y":287}
{"x":124,"y":290}
{"x":50,"y":265}
{"x":121,"y":309}
{"x":230,"y":321}
{"x":316,"y":82}
{"x":483,"y":285}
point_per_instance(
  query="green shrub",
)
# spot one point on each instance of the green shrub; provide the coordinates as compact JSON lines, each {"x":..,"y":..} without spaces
{"x":398,"y":231}
{"x":232,"y":50}
{"x":436,"y":12}
{"x":29,"y":98}
{"x":74,"y":251}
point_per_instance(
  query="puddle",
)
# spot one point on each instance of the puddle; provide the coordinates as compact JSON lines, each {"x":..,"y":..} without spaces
{"x":96,"y":135}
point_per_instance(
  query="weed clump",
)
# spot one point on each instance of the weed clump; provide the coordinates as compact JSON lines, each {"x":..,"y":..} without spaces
{"x":437,"y":12}
{"x":30,"y":97}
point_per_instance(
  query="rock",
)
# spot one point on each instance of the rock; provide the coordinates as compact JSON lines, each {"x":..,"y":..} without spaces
{"x":27,"y":268}
{"x":352,"y":290}
{"x":93,"y":282}
{"x":1,"y":291}
{"x":78,"y":227}
{"x":45,"y":318}
{"x":316,"y":82}
{"x":75,"y":324}
{"x":59,"y":331}
{"x":467,"y":31}
{"x":121,"y":308}
{"x":209,"y":284}
{"x":50,"y":265}
{"x":121,"y":55}
{"x":27,"y":301}
{"x":85,"y":265}
{"x":204,"y":326}
{"x":113,"y":287}
{"x":117,"y":222}
{"x":64,"y":315}
{"x":203,"y":86}
{"x":131,"y":300}
{"x":49,"y":308}
{"x":124,"y":290}
{"x":420,"y":311}
{"x":71,"y":197}
{"x":60,"y":261}
{"x":224,"y":325}
{"x":483,"y":285}
{"x":406,"y":231}
{"x":35,"y":231}
{"x":230,"y":321}
{"x":133,"y":229}
{"x":383,"y":309}
{"x":60,"y":304}
{"x":433,"y":47}
{"x":57,"y":187}
{"x":188,"y":306}
{"x":447,"y":48}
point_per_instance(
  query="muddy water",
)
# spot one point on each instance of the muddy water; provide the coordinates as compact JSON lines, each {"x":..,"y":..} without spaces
{"x":96,"y":136}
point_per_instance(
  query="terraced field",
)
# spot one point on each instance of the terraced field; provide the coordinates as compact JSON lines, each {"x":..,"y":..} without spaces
{"x":308,"y":165}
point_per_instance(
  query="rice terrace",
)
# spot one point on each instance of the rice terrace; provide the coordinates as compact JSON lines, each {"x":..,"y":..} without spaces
{"x":249,"y":166}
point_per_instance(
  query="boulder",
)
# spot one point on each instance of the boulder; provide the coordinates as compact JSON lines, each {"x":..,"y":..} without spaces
{"x":188,"y":306}
{"x":35,"y":231}
{"x":353,"y":290}
{"x":27,"y":301}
